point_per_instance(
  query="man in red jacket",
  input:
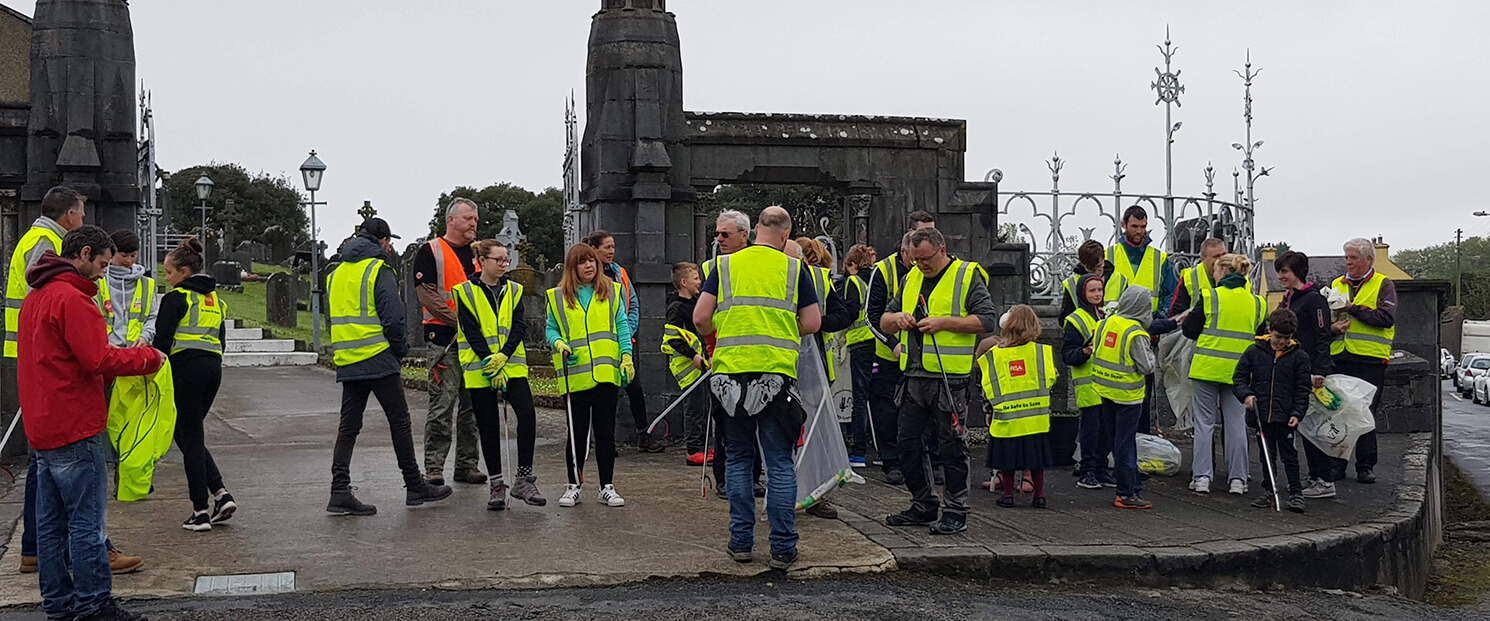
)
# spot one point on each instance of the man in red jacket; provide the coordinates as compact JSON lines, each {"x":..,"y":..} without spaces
{"x":65,"y":361}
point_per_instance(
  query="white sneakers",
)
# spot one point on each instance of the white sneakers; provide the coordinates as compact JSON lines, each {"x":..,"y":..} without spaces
{"x":1319,"y":489}
{"x":1200,"y":485}
{"x":570,"y":497}
{"x":609,"y":496}
{"x":1238,"y":487}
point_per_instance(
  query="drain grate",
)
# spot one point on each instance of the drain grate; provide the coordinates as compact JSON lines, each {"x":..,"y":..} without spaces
{"x":246,"y":584}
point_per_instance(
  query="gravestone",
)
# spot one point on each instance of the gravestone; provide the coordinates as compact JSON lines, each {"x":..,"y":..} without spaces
{"x":227,"y":273}
{"x":279,"y":300}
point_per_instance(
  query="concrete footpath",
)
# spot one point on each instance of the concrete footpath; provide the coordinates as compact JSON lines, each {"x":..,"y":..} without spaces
{"x":272,"y":430}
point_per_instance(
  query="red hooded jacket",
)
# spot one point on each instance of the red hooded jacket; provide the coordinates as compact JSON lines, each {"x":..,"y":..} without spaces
{"x":65,"y":356}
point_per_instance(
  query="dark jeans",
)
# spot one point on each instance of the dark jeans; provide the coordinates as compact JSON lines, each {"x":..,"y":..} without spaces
{"x":861,"y":372}
{"x":696,"y":413}
{"x":487,"y":403}
{"x":196,"y":382}
{"x":925,"y":404}
{"x":1146,"y":417}
{"x":1365,"y":447}
{"x":1097,"y":428}
{"x":774,"y":430}
{"x":1125,"y":420}
{"x":594,"y":415}
{"x":390,"y":393}
{"x":884,"y":414}
{"x":638,"y":405}
{"x":1280,"y":446}
{"x":72,"y":495}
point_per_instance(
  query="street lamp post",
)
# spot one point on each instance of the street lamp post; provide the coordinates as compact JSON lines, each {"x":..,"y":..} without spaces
{"x":311,"y":172}
{"x":204,"y":190}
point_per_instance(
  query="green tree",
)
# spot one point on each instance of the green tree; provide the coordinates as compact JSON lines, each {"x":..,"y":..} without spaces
{"x":244,"y":206}
{"x":541,"y":216}
{"x":1438,"y":262}
{"x":1281,"y":246}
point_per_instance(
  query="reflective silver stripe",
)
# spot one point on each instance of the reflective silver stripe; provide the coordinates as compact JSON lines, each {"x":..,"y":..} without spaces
{"x":862,"y":323}
{"x":1112,"y":366}
{"x":195,"y":331}
{"x":750,"y":300}
{"x":1216,"y":353}
{"x":685,"y":373}
{"x":728,"y":299}
{"x":819,"y":286}
{"x":367,"y":277}
{"x":1114,"y":384}
{"x":948,"y":351}
{"x":518,"y":359}
{"x":196,"y":304}
{"x":743,"y":341}
{"x":472,"y":366}
{"x":1215,"y":310}
{"x":14,"y":303}
{"x":1086,"y":333}
{"x":494,"y":342}
{"x":957,"y":310}
{"x":602,"y":335}
{"x":198,"y":345}
{"x":355,"y":321}
{"x":1018,"y":414}
{"x":363,"y":342}
{"x":1082,"y":381}
{"x":1228,"y":334}
{"x":12,"y":336}
{"x":1370,"y":338}
{"x":556,"y":305}
{"x":605,"y":361}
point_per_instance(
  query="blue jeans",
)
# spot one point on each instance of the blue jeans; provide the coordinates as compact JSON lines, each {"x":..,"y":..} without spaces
{"x":1125,"y":419}
{"x":71,"y":501}
{"x":775,"y":431}
{"x":861,"y":368}
{"x":28,"y":513}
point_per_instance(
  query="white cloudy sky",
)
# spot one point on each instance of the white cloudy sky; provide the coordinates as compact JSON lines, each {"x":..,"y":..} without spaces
{"x":1373,"y":112}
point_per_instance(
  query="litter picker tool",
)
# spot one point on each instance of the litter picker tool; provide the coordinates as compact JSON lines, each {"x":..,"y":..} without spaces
{"x":574,"y":471}
{"x":503,"y":412}
{"x":680,"y":399}
{"x":946,"y":383}
{"x":1272,"y":476}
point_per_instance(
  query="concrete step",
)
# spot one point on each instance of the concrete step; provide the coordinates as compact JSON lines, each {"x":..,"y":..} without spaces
{"x":273,"y":359}
{"x":230,"y":323}
{"x":245,"y":334}
{"x":264,"y":346}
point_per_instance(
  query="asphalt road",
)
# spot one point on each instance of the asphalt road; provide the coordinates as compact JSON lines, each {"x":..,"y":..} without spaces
{"x":1466,"y":435}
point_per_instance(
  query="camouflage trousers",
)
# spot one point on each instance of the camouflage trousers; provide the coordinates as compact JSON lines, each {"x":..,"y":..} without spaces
{"x":448,"y":400}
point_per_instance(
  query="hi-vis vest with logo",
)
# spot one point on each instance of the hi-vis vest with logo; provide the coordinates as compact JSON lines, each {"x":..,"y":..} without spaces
{"x":15,"y":284}
{"x":202,"y":324}
{"x":496,"y":326}
{"x":1114,"y":373}
{"x":448,"y":272}
{"x":756,"y":320}
{"x":889,"y":269}
{"x":1081,"y":376}
{"x":822,"y":281}
{"x":1231,"y":320}
{"x":1017,"y":382}
{"x":682,"y":367}
{"x":592,"y":334}
{"x":942,"y":351}
{"x":858,"y":332}
{"x":138,"y":311}
{"x":1361,"y":339}
{"x":1149,"y":273}
{"x":356,"y":330}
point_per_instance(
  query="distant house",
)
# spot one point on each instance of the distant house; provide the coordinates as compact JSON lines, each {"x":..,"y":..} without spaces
{"x":1324,"y":269}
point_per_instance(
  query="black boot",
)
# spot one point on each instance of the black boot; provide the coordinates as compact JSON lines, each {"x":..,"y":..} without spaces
{"x":646,"y":443}
{"x":423,"y":492}
{"x":344,"y":503}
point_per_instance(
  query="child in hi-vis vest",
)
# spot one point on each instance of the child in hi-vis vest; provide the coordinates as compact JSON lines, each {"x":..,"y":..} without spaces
{"x":1018,"y":374}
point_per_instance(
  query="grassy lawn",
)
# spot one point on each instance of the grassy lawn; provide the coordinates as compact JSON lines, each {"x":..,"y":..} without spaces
{"x":249,"y":309}
{"x":540,"y":385}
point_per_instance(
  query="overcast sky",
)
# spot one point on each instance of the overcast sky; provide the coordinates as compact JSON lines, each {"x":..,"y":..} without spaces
{"x":1373,"y":113}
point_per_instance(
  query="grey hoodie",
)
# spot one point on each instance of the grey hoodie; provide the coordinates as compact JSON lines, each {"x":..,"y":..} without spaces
{"x":1136,"y":303}
{"x":390,"y":310}
{"x":122,"y":282}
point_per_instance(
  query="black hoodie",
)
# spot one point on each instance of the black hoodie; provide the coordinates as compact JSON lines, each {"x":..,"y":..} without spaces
{"x":173,"y":309}
{"x":680,"y":314}
{"x":1073,"y":345}
{"x":390,"y":308}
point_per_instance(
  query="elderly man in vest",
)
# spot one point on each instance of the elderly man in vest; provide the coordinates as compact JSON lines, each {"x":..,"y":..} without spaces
{"x":939,"y":311}
{"x":440,"y":266}
{"x":759,"y":303}
{"x":62,"y":210}
{"x":1363,"y":338}
{"x":1135,"y":261}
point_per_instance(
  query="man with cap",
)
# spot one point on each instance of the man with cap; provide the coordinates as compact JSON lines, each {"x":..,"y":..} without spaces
{"x":367,"y":334}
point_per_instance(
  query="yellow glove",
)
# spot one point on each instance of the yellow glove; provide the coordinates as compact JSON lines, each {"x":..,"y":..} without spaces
{"x":628,"y":369}
{"x":499,"y":382}
{"x":563,"y":349}
{"x":492,"y":365}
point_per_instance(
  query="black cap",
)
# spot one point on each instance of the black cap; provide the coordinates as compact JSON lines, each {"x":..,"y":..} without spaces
{"x":378,"y":228}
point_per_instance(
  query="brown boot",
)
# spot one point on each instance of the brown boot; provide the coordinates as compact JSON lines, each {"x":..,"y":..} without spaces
{"x":435,"y":478}
{"x":121,"y":564}
{"x":469,"y":475}
{"x":823,"y":509}
{"x":29,"y":565}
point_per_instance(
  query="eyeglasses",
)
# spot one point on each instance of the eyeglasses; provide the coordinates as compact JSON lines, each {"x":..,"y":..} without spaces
{"x":499,"y":260}
{"x":723,"y":234}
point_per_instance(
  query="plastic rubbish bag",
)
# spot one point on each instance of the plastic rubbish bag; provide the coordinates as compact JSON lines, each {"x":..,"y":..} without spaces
{"x":1335,"y":431}
{"x":141,"y":424}
{"x":1175,"y":352}
{"x":1158,"y":456}
{"x":822,"y":460}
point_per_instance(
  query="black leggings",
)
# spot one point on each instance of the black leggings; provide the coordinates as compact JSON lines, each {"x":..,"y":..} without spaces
{"x":196,"y":380}
{"x":487,"y":405}
{"x":594,"y":416}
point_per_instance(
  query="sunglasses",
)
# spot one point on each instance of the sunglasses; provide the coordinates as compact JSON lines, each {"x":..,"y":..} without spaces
{"x":725,"y":233}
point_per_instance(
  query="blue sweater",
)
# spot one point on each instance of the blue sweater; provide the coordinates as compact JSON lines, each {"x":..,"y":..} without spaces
{"x":585,"y":294}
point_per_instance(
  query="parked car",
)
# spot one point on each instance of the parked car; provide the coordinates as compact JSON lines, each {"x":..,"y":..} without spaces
{"x":1477,"y":367}
{"x":1459,"y":373}
{"x":1481,"y":391}
{"x":1446,"y":363}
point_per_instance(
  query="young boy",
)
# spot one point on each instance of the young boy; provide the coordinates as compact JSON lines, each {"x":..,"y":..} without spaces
{"x":1273,"y":381}
{"x":688,"y":362}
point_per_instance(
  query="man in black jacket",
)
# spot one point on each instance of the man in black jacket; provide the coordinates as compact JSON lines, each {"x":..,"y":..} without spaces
{"x":1314,"y":336}
{"x":1272,"y":380}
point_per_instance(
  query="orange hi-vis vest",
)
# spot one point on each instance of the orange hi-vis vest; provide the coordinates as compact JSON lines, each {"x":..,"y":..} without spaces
{"x":449,"y":273}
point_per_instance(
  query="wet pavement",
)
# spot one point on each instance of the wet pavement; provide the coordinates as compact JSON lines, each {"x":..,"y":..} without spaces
{"x":1466,"y":435}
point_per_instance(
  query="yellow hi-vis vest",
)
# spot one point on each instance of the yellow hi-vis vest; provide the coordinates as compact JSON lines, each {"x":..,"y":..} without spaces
{"x":142,"y":420}
{"x":822,"y":282}
{"x":32,"y":244}
{"x":1231,"y":319}
{"x":201,"y":324}
{"x":1081,"y":376}
{"x":1198,"y":278}
{"x":1149,"y":272}
{"x":887,"y":268}
{"x":1361,"y":339}
{"x":947,"y":299}
{"x":356,"y":331}
{"x":1068,"y":288}
{"x":682,"y":367}
{"x":496,"y":326}
{"x":591,"y":333}
{"x":139,"y":307}
{"x":858,"y":332}
{"x":756,"y":321}
{"x":1017,"y":381}
{"x":1114,"y":372}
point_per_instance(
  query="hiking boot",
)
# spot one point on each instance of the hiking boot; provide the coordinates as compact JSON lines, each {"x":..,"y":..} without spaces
{"x":951,"y":524}
{"x":610,"y":497}
{"x":29,"y":565}
{"x":1132,"y":502}
{"x":344,"y":503}
{"x":910,"y":517}
{"x":782,"y":560}
{"x":1320,"y":489}
{"x":498,"y":499}
{"x":1296,"y":503}
{"x":1040,"y":503}
{"x":823,"y":510}
{"x":1200,"y":485}
{"x":1089,"y":481}
{"x":645,"y":443}
{"x":223,"y":508}
{"x":526,"y":490}
{"x":570,"y":497}
{"x":1367,"y":476}
{"x":198,"y":522}
{"x":435,"y":478}
{"x":426,"y":492}
{"x":121,"y":564}
{"x":469,"y":475}
{"x":112,"y":612}
{"x":741,"y":556}
{"x":1107,"y":479}
{"x":720,"y":492}
{"x":1238,"y":487}
{"x":1264,"y":501}
{"x":894,"y":477}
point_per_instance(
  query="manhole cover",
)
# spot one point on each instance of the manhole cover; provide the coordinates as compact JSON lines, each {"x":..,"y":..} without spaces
{"x":246,"y":584}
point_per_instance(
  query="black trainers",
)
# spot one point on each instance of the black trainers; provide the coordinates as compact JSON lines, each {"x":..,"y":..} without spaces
{"x":1089,"y":481}
{"x":198,"y":522}
{"x":741,"y":556}
{"x":910,"y":517}
{"x":646,"y":443}
{"x":951,"y":524}
{"x":425,"y":492}
{"x":223,"y":508}
{"x":1264,"y":501}
{"x":1107,"y":479}
{"x":1296,"y":503}
{"x":783,"y":560}
{"x":344,"y":503}
{"x":894,"y":477}
{"x":112,"y":612}
{"x":1367,"y":476}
